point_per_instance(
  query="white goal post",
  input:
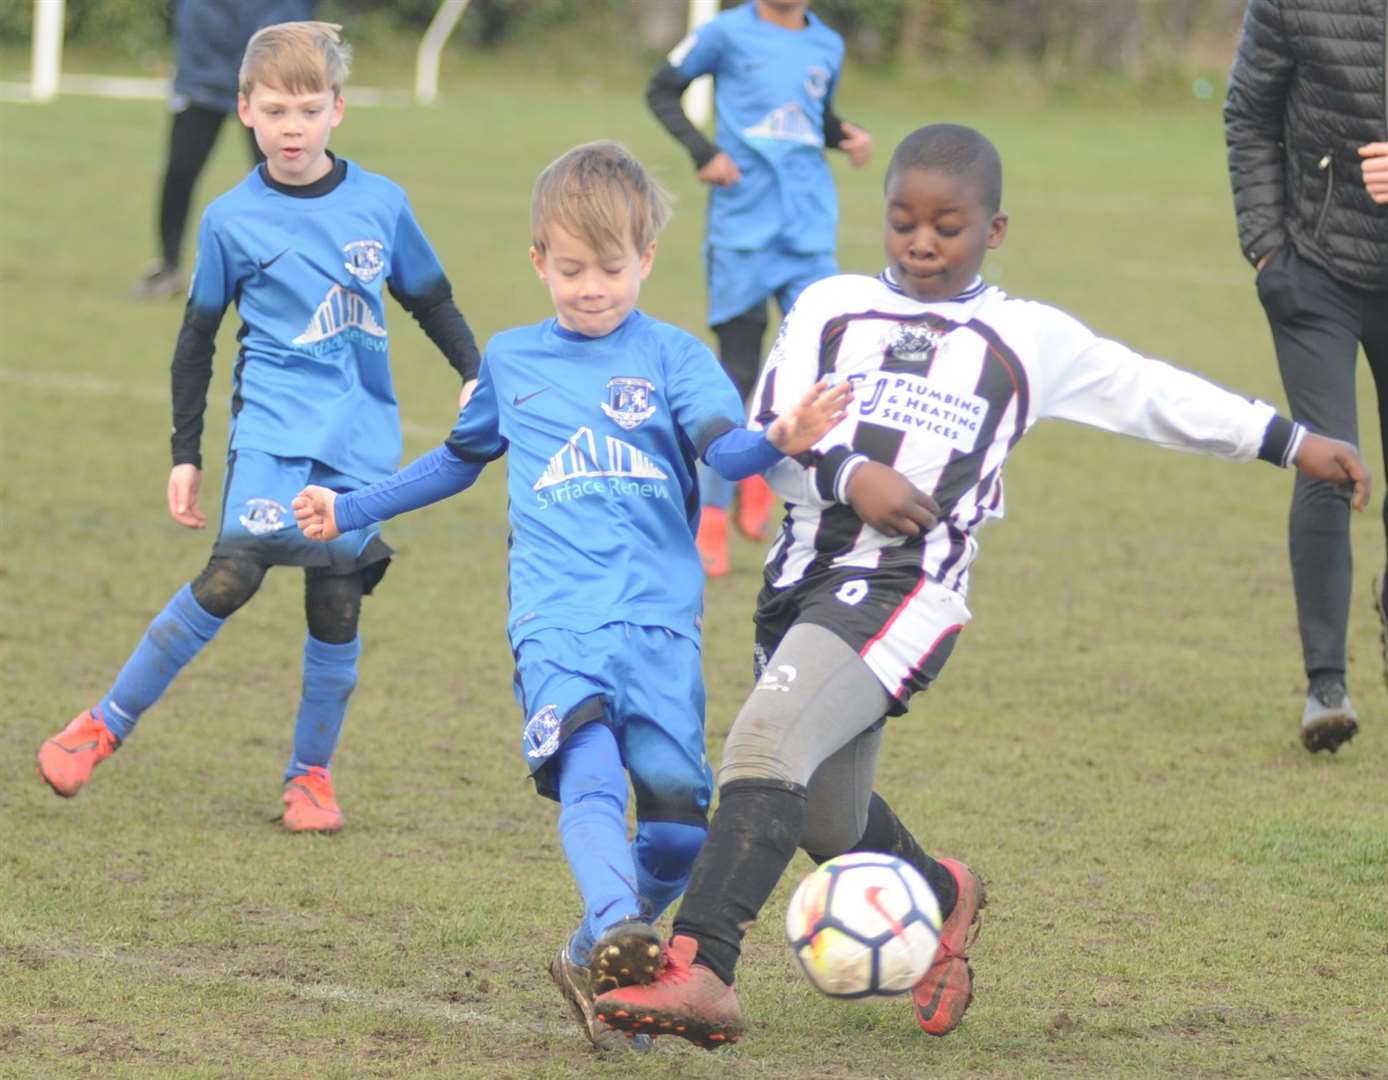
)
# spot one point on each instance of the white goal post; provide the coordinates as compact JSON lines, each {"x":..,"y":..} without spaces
{"x":47,"y":54}
{"x":698,"y":99}
{"x":426,"y":68}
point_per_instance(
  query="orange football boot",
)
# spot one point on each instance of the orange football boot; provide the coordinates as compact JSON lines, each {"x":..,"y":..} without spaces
{"x":684,"y":999}
{"x":310,"y":804}
{"x":712,"y":541}
{"x":67,"y":759}
{"x":947,"y":987}
{"x":754,"y":505}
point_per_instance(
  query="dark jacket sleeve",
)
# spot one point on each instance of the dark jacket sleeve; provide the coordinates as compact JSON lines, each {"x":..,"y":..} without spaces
{"x":438,"y":316}
{"x":1254,"y":112}
{"x":191,"y":374}
{"x":663,"y":96}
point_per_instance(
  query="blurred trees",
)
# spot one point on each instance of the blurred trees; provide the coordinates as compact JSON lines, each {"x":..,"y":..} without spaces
{"x":1130,"y":36}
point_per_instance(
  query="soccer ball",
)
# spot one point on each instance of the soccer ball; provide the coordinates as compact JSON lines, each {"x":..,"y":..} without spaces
{"x":864,"y":925}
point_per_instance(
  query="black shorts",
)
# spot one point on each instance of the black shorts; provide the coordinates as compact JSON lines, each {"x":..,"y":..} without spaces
{"x":902,"y":624}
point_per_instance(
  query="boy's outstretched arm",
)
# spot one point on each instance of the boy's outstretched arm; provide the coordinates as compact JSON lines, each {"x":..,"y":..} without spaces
{"x":1336,"y":463}
{"x":313,"y":510}
{"x":738,"y":453}
{"x":323,"y":514}
{"x":814,"y":416}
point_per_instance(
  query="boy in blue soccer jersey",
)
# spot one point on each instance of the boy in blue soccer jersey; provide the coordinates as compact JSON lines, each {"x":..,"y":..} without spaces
{"x":772,"y":211}
{"x":603,"y":412}
{"x":306,"y":247}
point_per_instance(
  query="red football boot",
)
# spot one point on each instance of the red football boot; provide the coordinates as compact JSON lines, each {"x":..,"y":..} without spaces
{"x":310,"y":804}
{"x":67,"y":759}
{"x":684,"y":999}
{"x":947,"y":987}
{"x":712,"y":541}
{"x":755,"y":502}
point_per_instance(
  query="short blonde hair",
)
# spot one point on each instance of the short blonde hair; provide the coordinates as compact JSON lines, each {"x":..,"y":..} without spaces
{"x":600,"y":194}
{"x":297,"y":57}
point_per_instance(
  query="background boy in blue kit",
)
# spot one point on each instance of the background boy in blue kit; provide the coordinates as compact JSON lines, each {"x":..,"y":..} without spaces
{"x":772,"y":210}
{"x":602,"y":412}
{"x":305,"y":246}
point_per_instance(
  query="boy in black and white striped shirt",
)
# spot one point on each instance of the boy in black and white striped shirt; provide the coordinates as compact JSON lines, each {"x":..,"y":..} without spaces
{"x":865,"y":587}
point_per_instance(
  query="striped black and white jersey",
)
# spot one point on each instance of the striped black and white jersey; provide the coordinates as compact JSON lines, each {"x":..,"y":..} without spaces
{"x":943,"y":392}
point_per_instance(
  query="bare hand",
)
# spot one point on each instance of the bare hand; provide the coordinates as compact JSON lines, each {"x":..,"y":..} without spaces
{"x":889,"y":502}
{"x":466,"y":393}
{"x":720,"y":171}
{"x":313,"y":510}
{"x":1337,"y":463}
{"x":184,"y":481}
{"x":857,"y":144}
{"x":1375,"y":157}
{"x":813,"y":417}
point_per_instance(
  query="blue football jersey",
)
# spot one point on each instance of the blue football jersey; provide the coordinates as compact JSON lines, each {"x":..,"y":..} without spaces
{"x":770,"y":89}
{"x":601,"y":436}
{"x":307,"y":276}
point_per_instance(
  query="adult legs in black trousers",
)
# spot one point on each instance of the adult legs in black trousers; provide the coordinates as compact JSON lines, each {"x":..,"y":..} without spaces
{"x":192,"y":135}
{"x":1318,"y":324}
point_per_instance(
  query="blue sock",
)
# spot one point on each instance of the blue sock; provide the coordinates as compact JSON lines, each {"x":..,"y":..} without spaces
{"x":330,"y":676}
{"x":665,"y":852}
{"x":713,"y":489}
{"x":593,"y":831}
{"x":176,"y":635}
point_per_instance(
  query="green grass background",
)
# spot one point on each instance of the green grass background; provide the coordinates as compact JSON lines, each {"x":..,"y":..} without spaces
{"x":1177,"y":888}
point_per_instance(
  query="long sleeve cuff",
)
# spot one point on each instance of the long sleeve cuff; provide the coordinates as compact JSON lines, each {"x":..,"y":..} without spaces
{"x":832,"y":472}
{"x":1281,"y":441}
{"x":740,"y":452}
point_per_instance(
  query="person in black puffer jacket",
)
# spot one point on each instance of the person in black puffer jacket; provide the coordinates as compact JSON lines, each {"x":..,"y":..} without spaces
{"x":1306,"y":123}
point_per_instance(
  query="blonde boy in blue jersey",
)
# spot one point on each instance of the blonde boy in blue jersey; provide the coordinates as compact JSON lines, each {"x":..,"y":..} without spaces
{"x":305,"y":247}
{"x":603,"y":412}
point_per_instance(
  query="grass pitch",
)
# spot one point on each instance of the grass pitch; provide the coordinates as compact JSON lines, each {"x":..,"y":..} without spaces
{"x":1176,"y":886}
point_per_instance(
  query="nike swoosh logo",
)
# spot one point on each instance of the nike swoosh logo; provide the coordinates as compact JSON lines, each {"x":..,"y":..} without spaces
{"x":927,"y":1011}
{"x":519,"y":400}
{"x":265,"y":264}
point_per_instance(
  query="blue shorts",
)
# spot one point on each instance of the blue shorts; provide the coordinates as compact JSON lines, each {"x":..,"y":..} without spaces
{"x":740,"y":280}
{"x":258,"y":516}
{"x":646,"y":684}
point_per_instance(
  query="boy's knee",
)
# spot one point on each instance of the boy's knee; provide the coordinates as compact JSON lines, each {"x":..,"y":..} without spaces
{"x":332,"y":606}
{"x":667,"y":849}
{"x":822,"y":840}
{"x":673,"y":800}
{"x":226,"y":583}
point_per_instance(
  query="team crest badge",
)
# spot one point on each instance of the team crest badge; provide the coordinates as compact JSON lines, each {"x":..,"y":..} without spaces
{"x":365,"y":260}
{"x":816,"y":82}
{"x":914,"y":343}
{"x":628,"y":401}
{"x":263,"y":516}
{"x":541,"y":737}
